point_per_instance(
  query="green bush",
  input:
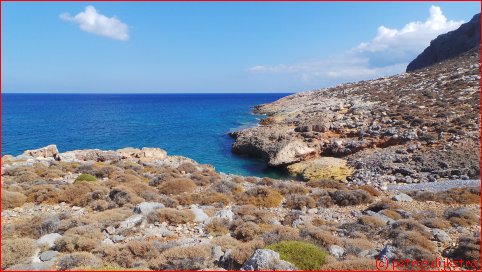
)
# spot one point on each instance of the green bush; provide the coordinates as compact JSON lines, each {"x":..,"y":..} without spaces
{"x":303,"y":255}
{"x":85,"y":177}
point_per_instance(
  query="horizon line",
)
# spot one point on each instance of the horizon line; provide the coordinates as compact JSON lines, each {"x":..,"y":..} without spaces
{"x":146,"y":93}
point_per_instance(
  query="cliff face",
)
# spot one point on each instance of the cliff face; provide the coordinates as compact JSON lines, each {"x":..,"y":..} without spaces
{"x":449,"y":45}
{"x":412,"y":127}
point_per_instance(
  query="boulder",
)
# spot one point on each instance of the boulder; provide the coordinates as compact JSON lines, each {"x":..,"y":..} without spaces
{"x":153,"y":153}
{"x":321,"y":168}
{"x":387,"y":253}
{"x":131,"y":222}
{"x":441,"y":236}
{"x":224,"y":214}
{"x":199,"y":215}
{"x":402,"y":198}
{"x":48,"y":239}
{"x":336,"y":251}
{"x":159,"y":231}
{"x":265,"y":259}
{"x":49,"y":151}
{"x":48,"y":255}
{"x":145,"y":208}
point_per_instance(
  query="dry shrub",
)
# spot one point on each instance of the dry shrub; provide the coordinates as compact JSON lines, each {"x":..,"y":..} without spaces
{"x":226,"y":187}
{"x":413,"y":238}
{"x":111,"y":217}
{"x":168,"y":201}
{"x":290,"y":217}
{"x":323,"y":199}
{"x":251,"y":179}
{"x":436,"y":223}
{"x":69,"y":223}
{"x":371,"y":221}
{"x":288,"y":188}
{"x":392,"y":214}
{"x":123,"y":195}
{"x":416,"y":253}
{"x":177,"y":186}
{"x":218,"y":227}
{"x":361,"y":264}
{"x":247,"y":231}
{"x":243,"y":251}
{"x":319,"y":222}
{"x":51,"y":173}
{"x":462,"y":216}
{"x":83,"y":238}
{"x":468,"y":249}
{"x":26,"y":177}
{"x":35,"y":226}
{"x":384,"y":204}
{"x":321,"y":237}
{"x":12,"y":200}
{"x":299,"y":202}
{"x":238,"y":179}
{"x":281,"y":233}
{"x":17,"y":251}
{"x":170,"y":215}
{"x":452,"y":196}
{"x":187,"y":167}
{"x":370,"y":189}
{"x":261,"y":197}
{"x":204,"y":198}
{"x":405,"y":225}
{"x":326,"y":184}
{"x":165,"y":175}
{"x":356,"y":245}
{"x":80,"y":193}
{"x":205,"y":177}
{"x":251,"y":213}
{"x":225,"y":242}
{"x":182,"y":258}
{"x":45,"y":193}
{"x":350,"y":197}
{"x":267,"y":182}
{"x":79,"y":260}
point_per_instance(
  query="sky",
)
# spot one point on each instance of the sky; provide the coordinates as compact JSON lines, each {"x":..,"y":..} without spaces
{"x":209,"y":47}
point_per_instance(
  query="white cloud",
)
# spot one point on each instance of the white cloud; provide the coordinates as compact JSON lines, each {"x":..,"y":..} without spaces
{"x":92,"y":21}
{"x":387,"y":53}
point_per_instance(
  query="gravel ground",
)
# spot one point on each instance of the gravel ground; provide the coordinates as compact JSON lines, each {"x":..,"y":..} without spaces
{"x":434,"y":186}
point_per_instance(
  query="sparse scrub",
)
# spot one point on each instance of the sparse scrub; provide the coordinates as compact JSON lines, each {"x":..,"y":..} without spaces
{"x":261,"y":197}
{"x":78,"y":260}
{"x":299,"y":202}
{"x":16,"y":251}
{"x":217,"y":227}
{"x":468,"y":249}
{"x":281,"y":233}
{"x":177,"y":186}
{"x":462,"y":216}
{"x":247,"y":231}
{"x":321,"y":237}
{"x":370,"y":189}
{"x":170,"y":215}
{"x":182,"y":258}
{"x":350,"y":197}
{"x":12,"y":200}
{"x":83,"y":238}
{"x":187,"y":167}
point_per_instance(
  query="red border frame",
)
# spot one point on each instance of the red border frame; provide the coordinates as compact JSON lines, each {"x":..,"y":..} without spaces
{"x":1,"y":76}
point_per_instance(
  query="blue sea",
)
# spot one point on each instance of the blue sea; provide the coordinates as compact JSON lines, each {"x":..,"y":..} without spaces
{"x":191,"y":125}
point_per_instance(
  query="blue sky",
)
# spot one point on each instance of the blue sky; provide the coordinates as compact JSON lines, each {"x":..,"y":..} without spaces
{"x":145,"y":47}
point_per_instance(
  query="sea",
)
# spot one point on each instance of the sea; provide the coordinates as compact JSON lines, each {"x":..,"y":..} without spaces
{"x":191,"y":125}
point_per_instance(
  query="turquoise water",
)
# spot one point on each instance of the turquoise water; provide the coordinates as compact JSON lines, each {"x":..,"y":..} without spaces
{"x":191,"y":125}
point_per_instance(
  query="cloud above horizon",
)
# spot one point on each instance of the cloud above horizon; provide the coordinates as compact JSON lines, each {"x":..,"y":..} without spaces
{"x":389,"y":52}
{"x":90,"y":20}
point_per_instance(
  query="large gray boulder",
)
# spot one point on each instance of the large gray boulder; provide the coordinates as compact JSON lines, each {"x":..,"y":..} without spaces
{"x":199,"y":215}
{"x":146,"y":207}
{"x":265,"y":259}
{"x":48,"y":239}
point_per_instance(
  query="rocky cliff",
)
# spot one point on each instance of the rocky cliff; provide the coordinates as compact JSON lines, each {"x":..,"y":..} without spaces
{"x":412,"y":127}
{"x":449,"y":45}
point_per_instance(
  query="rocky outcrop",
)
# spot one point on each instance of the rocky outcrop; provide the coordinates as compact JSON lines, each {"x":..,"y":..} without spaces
{"x":410,"y":128}
{"x":449,"y":45}
{"x":265,"y":259}
{"x":49,"y":151}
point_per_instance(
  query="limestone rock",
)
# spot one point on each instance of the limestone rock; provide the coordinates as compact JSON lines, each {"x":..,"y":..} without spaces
{"x":336,"y":251}
{"x":441,"y":236}
{"x":199,"y":215}
{"x":265,"y":259}
{"x":145,"y":208}
{"x":48,"y":239}
{"x":321,"y":168}
{"x":49,"y":151}
{"x":48,"y":255}
{"x":402,"y":198}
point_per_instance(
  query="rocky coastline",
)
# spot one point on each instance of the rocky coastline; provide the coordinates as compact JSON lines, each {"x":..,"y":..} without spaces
{"x":409,"y":128}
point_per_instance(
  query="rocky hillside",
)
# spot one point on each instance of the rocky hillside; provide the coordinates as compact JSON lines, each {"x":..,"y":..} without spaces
{"x":142,"y":209}
{"x":413,"y":127}
{"x":449,"y":45}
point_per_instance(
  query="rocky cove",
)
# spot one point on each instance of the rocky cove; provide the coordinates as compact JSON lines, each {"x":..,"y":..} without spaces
{"x":415,"y":127}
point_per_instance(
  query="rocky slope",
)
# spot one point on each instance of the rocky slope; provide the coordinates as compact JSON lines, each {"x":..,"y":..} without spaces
{"x":413,"y":127}
{"x":142,"y":209}
{"x":449,"y":45}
